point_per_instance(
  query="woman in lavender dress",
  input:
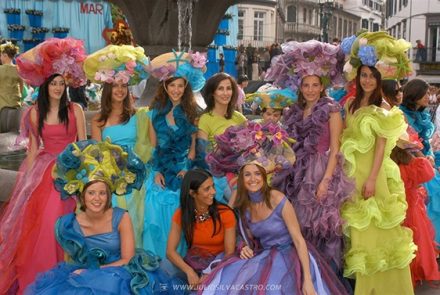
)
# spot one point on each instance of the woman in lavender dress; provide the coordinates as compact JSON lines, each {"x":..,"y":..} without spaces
{"x":277,"y":261}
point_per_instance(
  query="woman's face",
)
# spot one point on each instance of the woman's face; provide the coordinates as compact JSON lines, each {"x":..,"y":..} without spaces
{"x":96,"y":198}
{"x":56,"y":87}
{"x":119,"y":91}
{"x":175,"y":90}
{"x":367,"y":80}
{"x":223,"y":92}
{"x":399,"y":94}
{"x":424,"y":101}
{"x":204,"y":196}
{"x":311,"y":88}
{"x":252,"y":178}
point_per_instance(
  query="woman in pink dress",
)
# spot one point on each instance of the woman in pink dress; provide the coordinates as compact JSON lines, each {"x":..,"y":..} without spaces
{"x":27,"y":237}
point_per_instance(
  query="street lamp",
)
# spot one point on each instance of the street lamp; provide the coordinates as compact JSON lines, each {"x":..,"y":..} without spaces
{"x":325,"y":11}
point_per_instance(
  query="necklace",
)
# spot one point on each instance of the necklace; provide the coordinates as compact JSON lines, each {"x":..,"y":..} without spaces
{"x":201,"y":217}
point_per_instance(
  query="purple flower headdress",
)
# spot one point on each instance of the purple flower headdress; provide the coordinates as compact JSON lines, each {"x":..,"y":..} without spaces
{"x":301,"y":59}
{"x":189,"y":66}
{"x":268,"y":145}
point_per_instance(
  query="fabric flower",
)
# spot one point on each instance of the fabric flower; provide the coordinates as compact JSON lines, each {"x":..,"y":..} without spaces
{"x":347,"y":43}
{"x":367,"y":55}
{"x":198,"y":60}
{"x":105,"y":76}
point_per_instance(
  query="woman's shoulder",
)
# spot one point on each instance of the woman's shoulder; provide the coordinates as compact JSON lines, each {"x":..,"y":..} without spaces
{"x":239,"y":117}
{"x":276,"y":197}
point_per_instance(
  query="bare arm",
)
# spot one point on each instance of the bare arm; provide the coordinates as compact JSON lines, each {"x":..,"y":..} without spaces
{"x":80,"y":122}
{"x":152,"y":133}
{"x":127,"y":241}
{"x":192,"y":148}
{"x":289,"y":217}
{"x":230,"y":240}
{"x":96,"y":128}
{"x":335,"y":123}
{"x":33,"y":140}
{"x":369,"y":187}
{"x":175,"y":258}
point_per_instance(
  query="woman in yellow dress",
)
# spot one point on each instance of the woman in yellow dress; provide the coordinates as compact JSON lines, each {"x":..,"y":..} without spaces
{"x":379,"y":248}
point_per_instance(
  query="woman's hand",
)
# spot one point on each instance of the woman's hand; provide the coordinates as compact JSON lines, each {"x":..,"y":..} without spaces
{"x":192,"y":154}
{"x":193,"y":278}
{"x":79,"y":271}
{"x":369,"y":188}
{"x":431,"y":160}
{"x":322,"y":190}
{"x":159,"y":179}
{"x":308,"y":288}
{"x":246,"y":253}
{"x":181,"y":174}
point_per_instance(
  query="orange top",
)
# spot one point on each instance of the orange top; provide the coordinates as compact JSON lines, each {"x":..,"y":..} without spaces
{"x":203,"y":238}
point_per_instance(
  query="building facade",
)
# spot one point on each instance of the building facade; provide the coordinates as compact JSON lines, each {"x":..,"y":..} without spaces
{"x":343,"y":23}
{"x":371,"y":12}
{"x":258,"y":23}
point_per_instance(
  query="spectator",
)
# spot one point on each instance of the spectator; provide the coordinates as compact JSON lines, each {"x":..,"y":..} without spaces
{"x":221,"y":63}
{"x":421,"y":51}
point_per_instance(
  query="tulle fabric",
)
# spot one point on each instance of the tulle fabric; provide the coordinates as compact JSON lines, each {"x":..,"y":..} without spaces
{"x":379,"y":249}
{"x":27,"y":240}
{"x":424,"y":266}
{"x":320,"y":221}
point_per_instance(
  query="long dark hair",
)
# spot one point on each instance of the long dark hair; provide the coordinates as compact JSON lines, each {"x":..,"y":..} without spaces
{"x":242,"y":202}
{"x":389,"y":90}
{"x":211,"y":86}
{"x":187,"y":102}
{"x":413,"y":91}
{"x":301,"y":100}
{"x":43,"y":104}
{"x":106,"y":105}
{"x":375,"y":98}
{"x":192,"y":181}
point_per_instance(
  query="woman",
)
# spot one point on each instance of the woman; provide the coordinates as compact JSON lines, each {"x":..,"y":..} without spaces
{"x":12,"y":85}
{"x":172,"y":116}
{"x":392,"y":92}
{"x":207,"y":226}
{"x":281,"y":261}
{"x":118,"y":120}
{"x":415,"y":171}
{"x":316,"y":183}
{"x":415,"y":100}
{"x":35,"y":205}
{"x":220,"y":95}
{"x":100,"y":241}
{"x":380,"y":249}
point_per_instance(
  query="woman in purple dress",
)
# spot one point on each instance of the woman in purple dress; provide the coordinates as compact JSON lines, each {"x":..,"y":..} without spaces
{"x":274,"y":261}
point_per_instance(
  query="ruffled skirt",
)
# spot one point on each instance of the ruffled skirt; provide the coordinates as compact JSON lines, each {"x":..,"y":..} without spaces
{"x":272,"y":271}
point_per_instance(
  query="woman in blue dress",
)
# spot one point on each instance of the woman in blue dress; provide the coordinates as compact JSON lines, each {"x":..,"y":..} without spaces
{"x":118,"y":120}
{"x":172,"y":123}
{"x":414,"y":103}
{"x":99,"y":239}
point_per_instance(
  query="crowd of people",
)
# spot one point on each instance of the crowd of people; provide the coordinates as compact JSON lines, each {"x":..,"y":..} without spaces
{"x":334,"y":190}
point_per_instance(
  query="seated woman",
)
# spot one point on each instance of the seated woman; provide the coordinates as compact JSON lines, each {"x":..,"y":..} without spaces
{"x":208,"y":227}
{"x":99,"y":239}
{"x":281,"y":261}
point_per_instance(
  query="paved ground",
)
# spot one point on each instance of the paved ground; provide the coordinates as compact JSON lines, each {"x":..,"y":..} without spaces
{"x":426,"y":290}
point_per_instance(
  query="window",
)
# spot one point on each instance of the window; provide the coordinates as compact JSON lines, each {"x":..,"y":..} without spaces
{"x":291,"y":13}
{"x":398,"y":35}
{"x":370,"y":4}
{"x":375,"y":27}
{"x":365,"y":2}
{"x":340,"y":28}
{"x":310,"y":16}
{"x":365,"y":23}
{"x":404,"y":29}
{"x":345,"y":32}
{"x":240,"y":24}
{"x":350,"y":28}
{"x":405,"y":3}
{"x":304,"y":15}
{"x":258,"y":25}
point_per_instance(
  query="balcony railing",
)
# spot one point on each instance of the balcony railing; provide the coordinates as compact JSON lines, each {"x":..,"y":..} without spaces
{"x":301,"y":28}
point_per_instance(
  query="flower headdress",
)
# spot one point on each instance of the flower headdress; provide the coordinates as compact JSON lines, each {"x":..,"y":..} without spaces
{"x":302,"y":59}
{"x":117,"y":63}
{"x":189,"y":66}
{"x":88,"y":160}
{"x":267,"y":145}
{"x":53,"y":56}
{"x":380,"y":50}
{"x":274,"y":98}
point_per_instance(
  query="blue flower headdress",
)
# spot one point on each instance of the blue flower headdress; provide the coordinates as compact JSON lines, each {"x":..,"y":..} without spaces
{"x":89,"y":160}
{"x":379,"y":50}
{"x":301,"y":59}
{"x":273,"y":98}
{"x":189,"y":66}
